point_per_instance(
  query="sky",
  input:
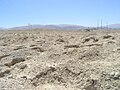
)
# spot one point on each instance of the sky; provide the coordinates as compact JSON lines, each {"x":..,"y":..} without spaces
{"x":81,"y":12}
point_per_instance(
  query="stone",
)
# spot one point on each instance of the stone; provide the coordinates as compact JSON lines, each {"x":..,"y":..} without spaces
{"x":14,"y":61}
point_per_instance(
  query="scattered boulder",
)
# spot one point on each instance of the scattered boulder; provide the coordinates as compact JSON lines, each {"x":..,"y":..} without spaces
{"x":115,"y":75}
{"x":71,"y":46}
{"x":14,"y":61}
{"x":92,"y":85}
{"x":107,"y":37}
{"x":90,"y":38}
{"x":39,"y":49}
{"x":22,"y":66}
{"x":2,"y":74}
{"x":60,"y":40}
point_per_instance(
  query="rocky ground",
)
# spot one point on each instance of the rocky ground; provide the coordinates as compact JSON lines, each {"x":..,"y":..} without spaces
{"x":59,"y":60}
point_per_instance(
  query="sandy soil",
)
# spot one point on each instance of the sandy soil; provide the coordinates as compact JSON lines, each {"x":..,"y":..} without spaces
{"x":59,"y":60}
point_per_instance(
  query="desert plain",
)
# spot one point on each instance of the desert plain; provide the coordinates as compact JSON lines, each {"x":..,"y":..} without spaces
{"x":60,"y":60}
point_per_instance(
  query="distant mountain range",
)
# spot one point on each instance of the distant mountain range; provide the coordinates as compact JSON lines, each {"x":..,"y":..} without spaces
{"x":114,"y":26}
{"x":58,"y":27}
{"x":1,"y":28}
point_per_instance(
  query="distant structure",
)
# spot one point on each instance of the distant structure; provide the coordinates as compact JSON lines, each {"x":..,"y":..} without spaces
{"x":29,"y":27}
{"x":101,"y":26}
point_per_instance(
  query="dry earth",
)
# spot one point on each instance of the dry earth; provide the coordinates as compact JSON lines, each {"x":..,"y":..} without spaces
{"x":59,"y":60}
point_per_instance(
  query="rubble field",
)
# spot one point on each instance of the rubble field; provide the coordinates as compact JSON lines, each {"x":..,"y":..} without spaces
{"x":60,"y":60}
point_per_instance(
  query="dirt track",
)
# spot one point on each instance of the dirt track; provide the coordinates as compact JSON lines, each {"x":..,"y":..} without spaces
{"x":59,"y":60}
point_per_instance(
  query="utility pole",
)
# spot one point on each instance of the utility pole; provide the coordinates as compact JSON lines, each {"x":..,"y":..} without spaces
{"x":107,"y":25}
{"x":101,"y":24}
{"x":29,"y":26}
{"x":97,"y":24}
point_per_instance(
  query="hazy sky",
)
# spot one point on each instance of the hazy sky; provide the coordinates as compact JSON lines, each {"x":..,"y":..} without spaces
{"x":82,"y":12}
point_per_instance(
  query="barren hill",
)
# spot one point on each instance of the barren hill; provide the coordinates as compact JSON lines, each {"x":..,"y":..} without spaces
{"x":56,"y":27}
{"x":114,"y":26}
